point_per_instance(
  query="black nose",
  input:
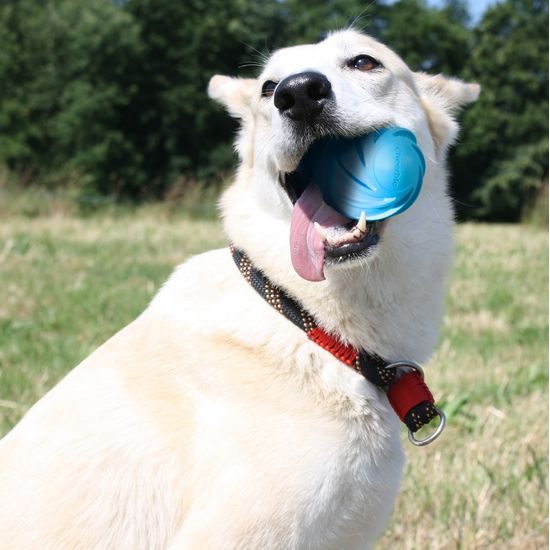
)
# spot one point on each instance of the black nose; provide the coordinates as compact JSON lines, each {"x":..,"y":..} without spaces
{"x":302,"y":96}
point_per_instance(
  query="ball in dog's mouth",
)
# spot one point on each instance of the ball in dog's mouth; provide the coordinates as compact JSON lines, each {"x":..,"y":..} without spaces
{"x":319,"y":235}
{"x":375,"y":175}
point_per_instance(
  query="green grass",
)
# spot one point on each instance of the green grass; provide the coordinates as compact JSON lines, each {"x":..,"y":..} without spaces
{"x":70,"y":281}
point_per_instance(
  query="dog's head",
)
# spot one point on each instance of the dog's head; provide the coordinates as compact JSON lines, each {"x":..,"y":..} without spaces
{"x":347,"y":85}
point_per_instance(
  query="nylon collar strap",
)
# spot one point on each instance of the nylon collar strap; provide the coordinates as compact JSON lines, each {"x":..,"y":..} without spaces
{"x":408,"y":394}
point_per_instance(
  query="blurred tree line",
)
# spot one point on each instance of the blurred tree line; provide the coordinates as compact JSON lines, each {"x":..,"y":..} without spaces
{"x":111,"y":94}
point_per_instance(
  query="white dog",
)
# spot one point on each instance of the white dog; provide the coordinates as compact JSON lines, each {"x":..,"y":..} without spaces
{"x":212,"y":421}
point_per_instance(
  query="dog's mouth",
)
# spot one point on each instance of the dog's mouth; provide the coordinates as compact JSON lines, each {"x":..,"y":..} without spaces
{"x":319,"y":235}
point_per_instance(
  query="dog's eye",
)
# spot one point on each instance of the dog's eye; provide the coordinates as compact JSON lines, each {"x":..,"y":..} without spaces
{"x":364,"y":63}
{"x":268,"y":88}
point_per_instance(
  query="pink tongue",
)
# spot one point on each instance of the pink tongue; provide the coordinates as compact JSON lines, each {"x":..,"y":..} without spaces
{"x":307,"y":249}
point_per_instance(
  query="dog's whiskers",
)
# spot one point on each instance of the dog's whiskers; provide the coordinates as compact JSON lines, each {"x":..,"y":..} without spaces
{"x":352,"y":25}
{"x":251,"y":64}
{"x":264,"y":56}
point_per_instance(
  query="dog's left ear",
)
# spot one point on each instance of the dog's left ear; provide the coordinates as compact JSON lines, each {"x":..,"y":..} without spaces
{"x":235,"y":94}
{"x":442,"y":98}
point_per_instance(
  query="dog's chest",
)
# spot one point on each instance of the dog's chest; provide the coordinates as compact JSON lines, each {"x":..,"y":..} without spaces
{"x":302,"y":475}
{"x":301,"y":448}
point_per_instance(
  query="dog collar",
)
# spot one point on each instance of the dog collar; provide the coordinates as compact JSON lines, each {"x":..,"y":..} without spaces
{"x":408,"y":394}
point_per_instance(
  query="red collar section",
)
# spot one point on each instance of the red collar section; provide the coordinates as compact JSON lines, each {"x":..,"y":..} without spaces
{"x":408,"y":394}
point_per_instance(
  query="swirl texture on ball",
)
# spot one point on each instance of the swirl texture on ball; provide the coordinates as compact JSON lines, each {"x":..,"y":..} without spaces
{"x":379,"y":173}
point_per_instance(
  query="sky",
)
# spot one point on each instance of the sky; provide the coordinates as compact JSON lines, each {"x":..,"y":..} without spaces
{"x":477,"y":7}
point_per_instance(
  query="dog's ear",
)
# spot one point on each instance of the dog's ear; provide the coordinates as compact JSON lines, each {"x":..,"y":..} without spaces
{"x":235,"y":94}
{"x":450,"y":93}
{"x":442,"y":98}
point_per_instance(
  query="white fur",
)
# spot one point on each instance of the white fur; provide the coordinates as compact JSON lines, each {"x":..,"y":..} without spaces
{"x":211,"y":421}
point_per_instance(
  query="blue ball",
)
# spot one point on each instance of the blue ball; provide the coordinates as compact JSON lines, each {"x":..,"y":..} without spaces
{"x":379,"y":173}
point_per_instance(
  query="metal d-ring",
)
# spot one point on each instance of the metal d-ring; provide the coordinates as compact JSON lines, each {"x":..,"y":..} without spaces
{"x":407,"y":364}
{"x":442,"y":418}
{"x":432,"y":437}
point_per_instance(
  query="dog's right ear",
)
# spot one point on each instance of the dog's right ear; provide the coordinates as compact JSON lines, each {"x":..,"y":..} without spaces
{"x":442,"y":98}
{"x":235,"y":94}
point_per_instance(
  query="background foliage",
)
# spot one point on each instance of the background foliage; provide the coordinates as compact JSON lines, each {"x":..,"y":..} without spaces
{"x":109,"y":96}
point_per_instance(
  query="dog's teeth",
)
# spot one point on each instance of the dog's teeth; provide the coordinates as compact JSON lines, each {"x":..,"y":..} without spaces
{"x":321,"y":231}
{"x":360,"y":230}
{"x":362,"y":223}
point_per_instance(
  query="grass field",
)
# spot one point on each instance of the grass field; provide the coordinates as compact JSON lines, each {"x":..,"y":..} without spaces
{"x":69,"y":282}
